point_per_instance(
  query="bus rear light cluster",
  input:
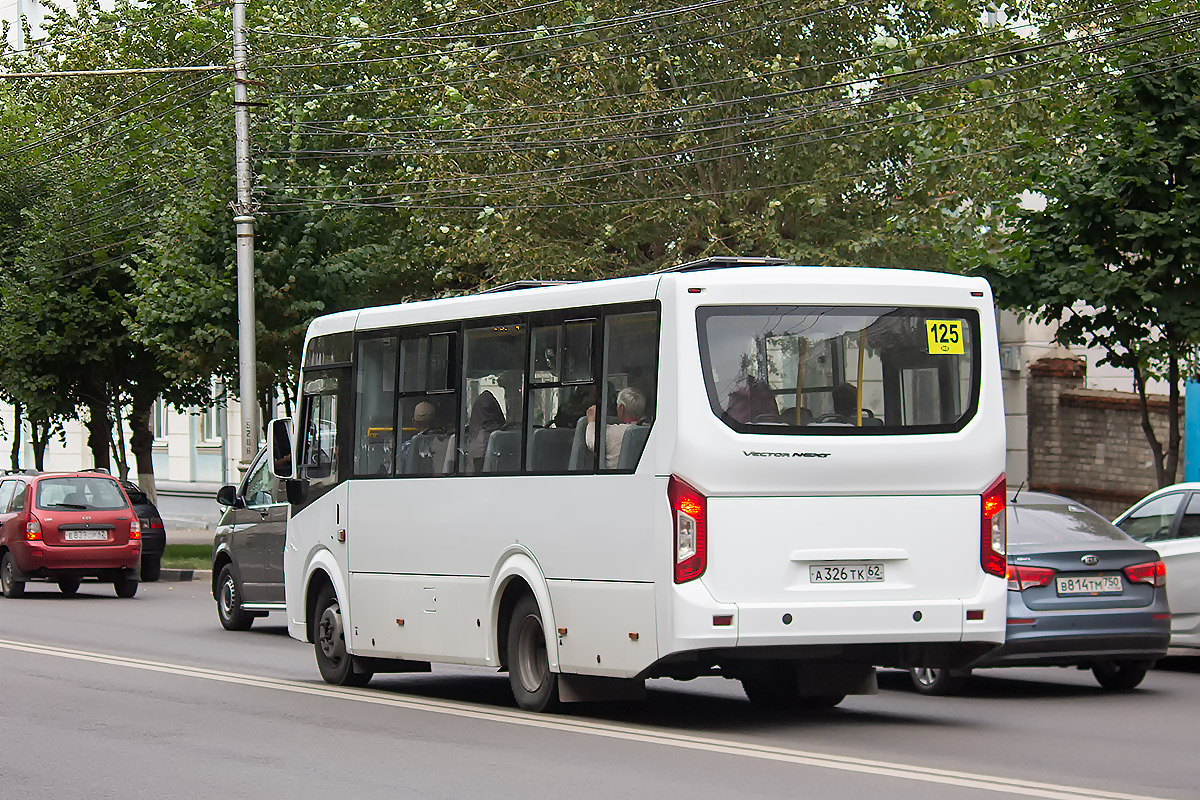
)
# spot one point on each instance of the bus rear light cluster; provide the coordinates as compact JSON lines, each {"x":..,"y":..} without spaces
{"x":994,"y":531}
{"x":688,"y":510}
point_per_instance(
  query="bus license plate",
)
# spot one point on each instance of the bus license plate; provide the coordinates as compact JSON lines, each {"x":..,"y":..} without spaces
{"x":1090,"y":584}
{"x":861,"y":572}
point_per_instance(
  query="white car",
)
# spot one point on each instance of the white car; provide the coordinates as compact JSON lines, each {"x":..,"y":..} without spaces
{"x":1169,"y":521}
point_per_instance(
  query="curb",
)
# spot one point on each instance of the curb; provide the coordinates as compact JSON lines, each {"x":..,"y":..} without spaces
{"x":167,"y":575}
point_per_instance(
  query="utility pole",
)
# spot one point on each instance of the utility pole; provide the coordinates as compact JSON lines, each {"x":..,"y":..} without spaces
{"x":244,"y":221}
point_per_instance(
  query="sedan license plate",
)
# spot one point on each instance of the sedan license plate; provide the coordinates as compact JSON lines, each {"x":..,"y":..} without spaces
{"x":861,"y":572}
{"x":1090,"y":584}
{"x":85,"y":536}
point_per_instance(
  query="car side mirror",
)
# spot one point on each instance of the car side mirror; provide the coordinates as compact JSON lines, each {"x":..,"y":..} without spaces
{"x":227,"y":496}
{"x":279,"y":448}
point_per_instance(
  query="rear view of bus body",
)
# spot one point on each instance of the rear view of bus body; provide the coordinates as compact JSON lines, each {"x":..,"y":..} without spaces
{"x":793,"y":476}
{"x":836,"y":536}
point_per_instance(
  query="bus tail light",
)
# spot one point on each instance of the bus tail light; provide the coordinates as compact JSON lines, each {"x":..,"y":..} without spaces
{"x":688,"y":510}
{"x":33,"y":530}
{"x":994,"y":530}
{"x":1022,"y":578}
{"x":1152,"y":572}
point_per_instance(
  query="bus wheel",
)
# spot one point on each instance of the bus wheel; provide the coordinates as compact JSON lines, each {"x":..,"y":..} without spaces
{"x":534,"y":685}
{"x":772,"y":685}
{"x":333,"y":660}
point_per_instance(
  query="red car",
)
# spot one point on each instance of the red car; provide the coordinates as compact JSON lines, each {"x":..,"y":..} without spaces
{"x":64,"y":527}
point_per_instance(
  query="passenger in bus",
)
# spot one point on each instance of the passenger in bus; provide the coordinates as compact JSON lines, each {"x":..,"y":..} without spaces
{"x":845,"y":403}
{"x":424,"y":419}
{"x":486,"y":417}
{"x":752,"y":402}
{"x":631,"y":405}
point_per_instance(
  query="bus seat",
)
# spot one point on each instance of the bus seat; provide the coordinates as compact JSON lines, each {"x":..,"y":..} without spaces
{"x":550,"y":449}
{"x":425,"y":453}
{"x":581,"y":456}
{"x":503,"y":452}
{"x":632,"y":444}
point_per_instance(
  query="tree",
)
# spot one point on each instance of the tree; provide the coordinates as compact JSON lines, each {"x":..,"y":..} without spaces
{"x":1114,"y":259}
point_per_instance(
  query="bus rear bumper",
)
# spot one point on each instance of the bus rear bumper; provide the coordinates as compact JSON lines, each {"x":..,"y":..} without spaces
{"x":885,"y":633}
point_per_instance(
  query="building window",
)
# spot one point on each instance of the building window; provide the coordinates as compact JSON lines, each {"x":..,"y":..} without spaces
{"x":158,"y":419}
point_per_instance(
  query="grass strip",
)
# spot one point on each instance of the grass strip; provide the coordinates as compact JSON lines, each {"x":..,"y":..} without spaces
{"x":187,"y":556}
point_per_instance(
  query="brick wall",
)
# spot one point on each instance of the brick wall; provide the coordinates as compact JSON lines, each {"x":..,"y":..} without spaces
{"x":1088,"y":444}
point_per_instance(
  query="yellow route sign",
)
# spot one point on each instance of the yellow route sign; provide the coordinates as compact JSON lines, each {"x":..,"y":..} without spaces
{"x":945,"y":336}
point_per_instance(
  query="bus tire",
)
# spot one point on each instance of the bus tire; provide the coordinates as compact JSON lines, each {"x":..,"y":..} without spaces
{"x":329,"y":642}
{"x":534,"y":684}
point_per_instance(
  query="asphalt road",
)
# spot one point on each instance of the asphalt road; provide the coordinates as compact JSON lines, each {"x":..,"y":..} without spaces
{"x":102,"y":697}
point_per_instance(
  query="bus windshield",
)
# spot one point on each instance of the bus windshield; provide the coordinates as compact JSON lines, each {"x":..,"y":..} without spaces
{"x":840,"y":370}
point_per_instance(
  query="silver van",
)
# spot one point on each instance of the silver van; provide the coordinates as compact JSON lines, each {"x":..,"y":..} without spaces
{"x":247,"y":565}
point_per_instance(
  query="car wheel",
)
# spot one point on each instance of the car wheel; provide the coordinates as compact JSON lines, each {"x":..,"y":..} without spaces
{"x":1120,"y":676}
{"x":534,"y":684}
{"x":928,"y":680}
{"x":68,"y":586}
{"x":229,"y":609}
{"x":333,"y":659}
{"x":8,"y":581}
{"x":151,"y":568}
{"x":125,"y":587}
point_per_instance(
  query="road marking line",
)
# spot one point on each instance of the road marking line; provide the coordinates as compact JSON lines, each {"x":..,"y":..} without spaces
{"x":864,"y":766}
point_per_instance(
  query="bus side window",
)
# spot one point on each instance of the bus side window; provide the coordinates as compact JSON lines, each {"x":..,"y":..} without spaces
{"x":562,"y":388}
{"x":492,"y":426}
{"x":319,"y":458}
{"x":375,"y":407}
{"x":630,"y":387}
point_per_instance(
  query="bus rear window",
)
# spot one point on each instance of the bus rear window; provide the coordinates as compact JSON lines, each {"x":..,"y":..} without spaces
{"x":840,"y":370}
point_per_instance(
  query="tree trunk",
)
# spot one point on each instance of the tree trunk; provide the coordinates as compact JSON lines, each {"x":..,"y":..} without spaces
{"x":39,"y":436}
{"x":16,"y":443}
{"x":99,"y":441}
{"x":141,"y":442}
{"x":1174,"y":436}
{"x":1156,"y":448}
{"x":119,"y":446}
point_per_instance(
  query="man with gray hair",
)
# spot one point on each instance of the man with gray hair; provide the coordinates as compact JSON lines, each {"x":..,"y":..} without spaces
{"x":631,"y":405}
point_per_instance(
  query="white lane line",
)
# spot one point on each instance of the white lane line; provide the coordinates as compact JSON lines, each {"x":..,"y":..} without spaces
{"x":597,"y":728}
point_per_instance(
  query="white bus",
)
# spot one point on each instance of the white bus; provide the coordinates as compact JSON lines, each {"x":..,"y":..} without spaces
{"x":783,"y":475}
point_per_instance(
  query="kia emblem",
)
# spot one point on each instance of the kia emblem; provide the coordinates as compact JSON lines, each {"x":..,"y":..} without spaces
{"x":1090,"y":560}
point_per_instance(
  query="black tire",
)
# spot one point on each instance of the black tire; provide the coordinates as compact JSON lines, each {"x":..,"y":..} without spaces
{"x":10,"y":586}
{"x":534,"y":684}
{"x":1120,"y":676}
{"x":776,"y":686}
{"x":125,"y":587}
{"x":151,"y":568}
{"x":329,"y":641}
{"x":938,"y":682}
{"x":68,"y":586}
{"x":229,"y":610}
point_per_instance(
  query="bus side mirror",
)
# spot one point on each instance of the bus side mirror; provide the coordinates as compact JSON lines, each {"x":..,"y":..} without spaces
{"x":297,"y":491}
{"x":279,"y":446}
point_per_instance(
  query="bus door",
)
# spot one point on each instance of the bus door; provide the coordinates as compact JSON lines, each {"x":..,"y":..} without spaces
{"x":323,"y":463}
